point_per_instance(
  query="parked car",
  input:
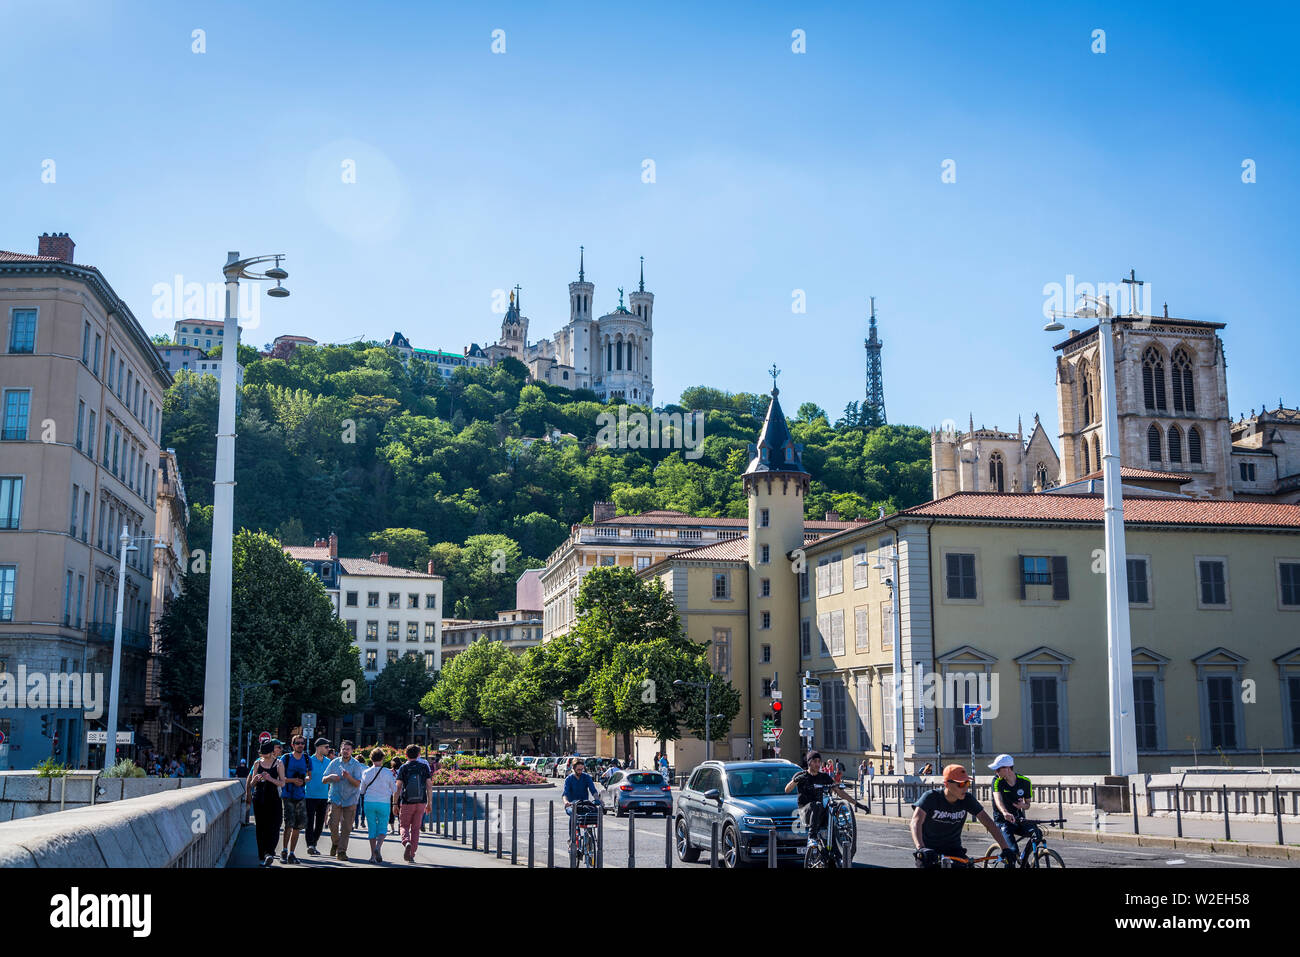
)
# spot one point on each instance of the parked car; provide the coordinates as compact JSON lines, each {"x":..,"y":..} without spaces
{"x":639,"y":789}
{"x":745,"y":799}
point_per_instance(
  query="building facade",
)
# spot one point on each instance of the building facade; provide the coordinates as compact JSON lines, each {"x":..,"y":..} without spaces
{"x":82,"y":391}
{"x":171,"y":558}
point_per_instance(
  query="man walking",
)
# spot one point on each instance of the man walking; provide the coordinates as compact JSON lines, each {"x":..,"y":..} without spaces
{"x":297,"y":769}
{"x":343,"y":775}
{"x":415,"y":799}
{"x":318,"y":793}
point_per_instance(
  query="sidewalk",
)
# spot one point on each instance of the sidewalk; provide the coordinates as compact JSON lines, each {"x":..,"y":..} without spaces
{"x":435,"y":850}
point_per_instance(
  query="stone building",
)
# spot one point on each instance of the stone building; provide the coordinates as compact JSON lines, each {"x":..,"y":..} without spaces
{"x":988,"y":460}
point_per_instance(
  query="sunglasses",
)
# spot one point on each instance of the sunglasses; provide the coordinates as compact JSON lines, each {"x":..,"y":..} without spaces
{"x":961,"y":784}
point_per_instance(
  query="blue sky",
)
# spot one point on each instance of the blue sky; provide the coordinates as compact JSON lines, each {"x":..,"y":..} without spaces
{"x":774,"y":172}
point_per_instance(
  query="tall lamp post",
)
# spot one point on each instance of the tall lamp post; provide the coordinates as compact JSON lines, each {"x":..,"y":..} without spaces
{"x":708,"y":737}
{"x":216,"y":684}
{"x":125,"y":544}
{"x":1119,"y":643}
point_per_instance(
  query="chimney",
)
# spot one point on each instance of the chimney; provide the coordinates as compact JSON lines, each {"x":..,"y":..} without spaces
{"x":320,"y":543}
{"x":603,"y":511}
{"x":832,"y":516}
{"x":380,"y":558}
{"x":431,"y":571}
{"x":334,"y":546}
{"x":58,"y":245}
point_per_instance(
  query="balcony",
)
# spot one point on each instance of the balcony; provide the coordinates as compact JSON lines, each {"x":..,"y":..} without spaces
{"x":102,"y":631}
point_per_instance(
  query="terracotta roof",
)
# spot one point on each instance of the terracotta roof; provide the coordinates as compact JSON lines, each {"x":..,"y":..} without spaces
{"x":1143,"y":474}
{"x":1030,"y":506}
{"x":364,"y":566}
{"x":307,"y":553}
{"x":732,"y":550}
{"x":661,"y":516}
{"x":7,"y":257}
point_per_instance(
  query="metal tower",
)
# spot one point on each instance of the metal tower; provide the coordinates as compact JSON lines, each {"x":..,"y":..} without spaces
{"x":873,"y":412}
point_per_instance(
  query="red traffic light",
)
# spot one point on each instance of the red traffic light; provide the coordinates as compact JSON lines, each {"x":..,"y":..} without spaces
{"x":776,"y":706}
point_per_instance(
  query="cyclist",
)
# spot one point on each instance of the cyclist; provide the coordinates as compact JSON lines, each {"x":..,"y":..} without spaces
{"x":940,"y":815}
{"x":1011,"y":796}
{"x":807,"y":782}
{"x":578,"y":785}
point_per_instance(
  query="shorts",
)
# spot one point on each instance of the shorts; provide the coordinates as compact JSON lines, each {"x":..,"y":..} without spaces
{"x":377,"y":818}
{"x":295,"y":814}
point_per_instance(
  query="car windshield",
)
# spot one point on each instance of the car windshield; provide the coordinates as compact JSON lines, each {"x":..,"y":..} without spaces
{"x":756,"y":782}
{"x":646,"y":779}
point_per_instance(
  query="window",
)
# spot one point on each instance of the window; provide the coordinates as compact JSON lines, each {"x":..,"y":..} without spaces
{"x":428,"y":655}
{"x":1175,"y":444}
{"x":1288,"y":578}
{"x":95,"y":367}
{"x":960,"y":576}
{"x":431,"y":601}
{"x":392,"y":631}
{"x":1212,"y":578}
{"x":720,"y":652}
{"x":1247,"y":471}
{"x":767,"y":688}
{"x":72,"y":519}
{"x":85,"y":345}
{"x":766,"y":555}
{"x":1139,"y":587}
{"x":608,"y":560}
{"x":22,"y":330}
{"x":1085,"y":380}
{"x":1040,"y":475}
{"x":1144,"y":709}
{"x":67,"y":598}
{"x":372,"y":659}
{"x":860,"y":567}
{"x":862,"y":703}
{"x":8,"y":573}
{"x":90,"y":437}
{"x":765,"y":654}
{"x":996,"y":470}
{"x":1087,"y":461}
{"x":824,"y":634}
{"x":1038,"y":573}
{"x":1044,"y":713}
{"x":835,"y":721}
{"x":352,"y":627}
{"x":412,"y":631}
{"x":350,"y":599}
{"x":81,"y":417}
{"x":642,"y":562}
{"x":887,"y":712}
{"x":837,"y":632}
{"x":805,"y":637}
{"x":1153,"y":380}
{"x":764,"y":518}
{"x":372,"y":631}
{"x":412,"y":601}
{"x":721,"y":585}
{"x":1153,"y":443}
{"x":1184,"y":395}
{"x":117,"y":443}
{"x":861,"y":631}
{"x":1220,"y":692}
{"x":765,"y":622}
{"x":803,"y":584}
{"x":372,"y":599}
{"x":17,"y":405}
{"x":765,"y":588}
{"x":11,"y":502}
{"x":823,"y":577}
{"x":108,"y":435}
{"x":1194,"y":445}
{"x":85,"y":515}
{"x":394,"y":599}
{"x":429,"y":631}
{"x":886,"y":625}
{"x":837,"y":573}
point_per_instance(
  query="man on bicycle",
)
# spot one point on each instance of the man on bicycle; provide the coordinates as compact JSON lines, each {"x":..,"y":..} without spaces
{"x":806,"y":782}
{"x":578,"y":785}
{"x":940,"y":815}
{"x":1011,"y":796}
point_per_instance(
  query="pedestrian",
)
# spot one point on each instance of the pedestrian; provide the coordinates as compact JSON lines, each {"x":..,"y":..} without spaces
{"x":318,"y":794}
{"x":297,"y":769}
{"x":928,"y":769}
{"x":264,"y":784}
{"x":241,"y":769}
{"x":862,"y":776}
{"x":343,"y":776}
{"x":663,"y":767}
{"x":377,"y":787}
{"x":415,"y":799}
{"x":839,"y":772}
{"x":890,"y":772}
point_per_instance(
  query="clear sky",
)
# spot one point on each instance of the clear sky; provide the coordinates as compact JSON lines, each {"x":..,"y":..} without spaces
{"x":774,"y":171}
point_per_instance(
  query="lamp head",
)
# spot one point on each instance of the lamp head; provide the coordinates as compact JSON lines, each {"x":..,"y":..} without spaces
{"x":278,"y":292}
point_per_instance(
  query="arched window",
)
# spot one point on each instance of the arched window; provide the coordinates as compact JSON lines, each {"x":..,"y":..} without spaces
{"x":1085,"y":378}
{"x":1041,"y":474}
{"x":1153,"y":379}
{"x":1096,"y":450}
{"x":1194,"y":445}
{"x":996,"y":478}
{"x":1184,"y":395}
{"x":619,"y":349}
{"x":1153,"y":443}
{"x":1175,"y":443}
{"x":1087,"y":462}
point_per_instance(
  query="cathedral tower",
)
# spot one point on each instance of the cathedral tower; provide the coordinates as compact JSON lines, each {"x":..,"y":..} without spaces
{"x":776,"y":486}
{"x":643,"y":307}
{"x":576,"y":343}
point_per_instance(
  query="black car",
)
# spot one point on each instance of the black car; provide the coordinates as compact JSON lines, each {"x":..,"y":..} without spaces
{"x":745,"y":799}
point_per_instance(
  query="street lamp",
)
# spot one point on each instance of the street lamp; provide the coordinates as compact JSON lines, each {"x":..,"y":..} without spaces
{"x":1119,"y":644}
{"x":239,"y":737}
{"x":707,"y":686}
{"x":216,"y":684}
{"x":125,"y":544}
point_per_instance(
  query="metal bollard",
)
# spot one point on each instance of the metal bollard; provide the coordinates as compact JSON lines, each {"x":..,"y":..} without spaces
{"x":451,"y":813}
{"x":899,"y":789}
{"x":475,"y":813}
{"x":550,"y":834}
{"x":1277,"y":810}
{"x":713,"y":845}
{"x":1227,"y":828}
{"x":1060,"y":808}
{"x":499,"y":815}
{"x":464,"y":822}
{"x":1178,"y":807}
{"x":600,"y":837}
{"x":530,"y":832}
{"x":1134,"y":800}
{"x":631,"y":838}
{"x":771,"y":848}
{"x":668,"y":841}
{"x":514,"y":831}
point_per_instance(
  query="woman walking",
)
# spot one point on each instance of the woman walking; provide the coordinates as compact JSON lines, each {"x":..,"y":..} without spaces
{"x":378,"y":784}
{"x":264,"y":785}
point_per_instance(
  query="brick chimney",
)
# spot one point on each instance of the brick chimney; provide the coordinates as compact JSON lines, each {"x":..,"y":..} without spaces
{"x":832,"y":516}
{"x":59,"y":245}
{"x":603,"y":511}
{"x":431,"y":572}
{"x":320,"y":543}
{"x":380,"y":558}
{"x":334,"y":546}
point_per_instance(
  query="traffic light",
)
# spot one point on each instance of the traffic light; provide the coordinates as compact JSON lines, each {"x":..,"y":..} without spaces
{"x":776,"y":713}
{"x":45,"y":725}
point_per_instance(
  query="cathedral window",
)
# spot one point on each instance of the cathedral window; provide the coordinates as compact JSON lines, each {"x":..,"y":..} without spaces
{"x":1153,"y":443}
{"x":1096,"y":450}
{"x":1153,"y":380}
{"x":1040,"y":473}
{"x":1175,"y":443}
{"x":1194,"y":445}
{"x":1087,"y":460}
{"x":1184,"y":394}
{"x":996,"y":478}
{"x":1085,"y":378}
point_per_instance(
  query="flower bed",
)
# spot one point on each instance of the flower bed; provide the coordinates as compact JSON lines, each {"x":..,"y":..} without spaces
{"x":485,"y":777}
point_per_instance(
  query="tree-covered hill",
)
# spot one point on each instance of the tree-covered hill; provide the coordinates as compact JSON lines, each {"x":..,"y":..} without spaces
{"x":346,"y":439}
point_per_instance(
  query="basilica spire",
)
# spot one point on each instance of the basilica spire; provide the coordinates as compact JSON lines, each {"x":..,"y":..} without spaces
{"x":641,"y":286}
{"x":582,"y":276}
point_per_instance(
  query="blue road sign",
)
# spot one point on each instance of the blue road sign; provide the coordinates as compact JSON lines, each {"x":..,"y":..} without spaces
{"x":972,"y":714}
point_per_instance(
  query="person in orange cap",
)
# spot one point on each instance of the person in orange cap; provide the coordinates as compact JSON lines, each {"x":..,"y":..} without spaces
{"x":940,"y":815}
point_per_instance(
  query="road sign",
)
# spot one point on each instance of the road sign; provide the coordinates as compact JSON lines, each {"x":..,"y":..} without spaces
{"x":768,"y":737}
{"x":2,"y":737}
{"x":776,"y":696}
{"x":308,"y":720}
{"x":777,"y":732}
{"x":101,"y":737}
{"x":812,"y":694}
{"x":264,"y":737}
{"x":972,"y":714}
{"x":808,"y":681}
{"x":805,"y":726}
{"x":812,"y":709}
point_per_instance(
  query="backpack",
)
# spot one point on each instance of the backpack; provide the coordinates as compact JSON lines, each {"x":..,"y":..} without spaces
{"x":413,"y":790}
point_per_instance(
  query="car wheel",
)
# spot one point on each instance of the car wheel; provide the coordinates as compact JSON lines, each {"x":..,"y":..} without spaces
{"x":685,"y":852}
{"x":730,"y":850}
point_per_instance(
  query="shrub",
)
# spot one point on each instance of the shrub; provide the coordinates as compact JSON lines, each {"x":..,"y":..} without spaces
{"x":126,"y":768}
{"x":484,"y":777}
{"x":49,"y":768}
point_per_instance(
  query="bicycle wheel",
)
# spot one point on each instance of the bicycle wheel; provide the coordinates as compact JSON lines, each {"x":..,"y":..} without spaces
{"x":589,"y":850}
{"x":846,"y":827}
{"x":814,"y":857}
{"x":1046,"y":857}
{"x":995,"y":862}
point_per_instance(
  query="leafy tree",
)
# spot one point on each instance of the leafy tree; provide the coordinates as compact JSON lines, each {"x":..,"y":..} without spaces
{"x":406,"y":547}
{"x":400,"y":687}
{"x":511,"y":705}
{"x":458,"y":692}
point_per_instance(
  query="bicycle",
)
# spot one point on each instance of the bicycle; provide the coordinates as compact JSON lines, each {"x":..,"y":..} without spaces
{"x":582,"y":843}
{"x":1036,"y":853}
{"x":957,"y":862}
{"x":834,"y":845}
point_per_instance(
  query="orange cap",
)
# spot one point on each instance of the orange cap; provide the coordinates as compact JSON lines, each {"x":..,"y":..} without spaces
{"x":955,"y":772}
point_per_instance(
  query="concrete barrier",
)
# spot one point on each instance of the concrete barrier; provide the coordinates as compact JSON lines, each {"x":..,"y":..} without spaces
{"x":193,"y":826}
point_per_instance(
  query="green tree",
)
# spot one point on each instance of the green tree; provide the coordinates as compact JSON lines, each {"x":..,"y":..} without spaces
{"x":458,"y":693}
{"x":400,"y":688}
{"x":406,"y":547}
{"x":511,"y":705}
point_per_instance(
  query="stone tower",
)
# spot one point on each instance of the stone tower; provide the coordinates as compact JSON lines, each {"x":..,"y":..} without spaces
{"x":514,"y":328}
{"x":576,"y":345}
{"x":643,"y":307}
{"x":776,"y":486}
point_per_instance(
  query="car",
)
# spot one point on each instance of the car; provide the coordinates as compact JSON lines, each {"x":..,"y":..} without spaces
{"x":745,"y":799}
{"x":638,"y":789}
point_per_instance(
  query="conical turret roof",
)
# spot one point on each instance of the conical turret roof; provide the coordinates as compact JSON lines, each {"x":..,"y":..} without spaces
{"x":776,"y":450}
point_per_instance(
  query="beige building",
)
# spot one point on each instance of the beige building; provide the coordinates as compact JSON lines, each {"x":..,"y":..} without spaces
{"x":81,"y":389}
{"x":171,"y":556}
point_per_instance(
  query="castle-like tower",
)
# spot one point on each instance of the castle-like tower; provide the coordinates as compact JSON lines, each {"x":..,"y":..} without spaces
{"x":990,"y":460}
{"x":776,"y":485}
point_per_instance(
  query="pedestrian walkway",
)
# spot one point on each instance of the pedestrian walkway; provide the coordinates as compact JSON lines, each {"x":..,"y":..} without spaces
{"x":434,"y":851}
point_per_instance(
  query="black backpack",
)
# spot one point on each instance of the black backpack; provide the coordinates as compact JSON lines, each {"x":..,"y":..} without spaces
{"x":413,"y":781}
